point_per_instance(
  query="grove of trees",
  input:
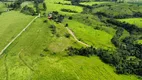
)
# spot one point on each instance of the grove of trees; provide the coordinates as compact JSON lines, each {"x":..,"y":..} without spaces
{"x":28,"y":10}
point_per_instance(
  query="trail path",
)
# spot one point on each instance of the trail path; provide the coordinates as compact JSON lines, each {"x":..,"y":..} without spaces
{"x":18,"y":35}
{"x":76,"y":37}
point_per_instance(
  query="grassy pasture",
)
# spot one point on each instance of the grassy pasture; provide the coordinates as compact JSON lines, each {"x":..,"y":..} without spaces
{"x":52,"y":6}
{"x":31,"y":44}
{"x":118,"y":9}
{"x":87,"y":34}
{"x":11,"y":23}
{"x":23,"y":59}
{"x":139,"y":41}
{"x":91,"y":3}
{"x":135,"y":21}
{"x":26,"y":59}
{"x":94,"y":22}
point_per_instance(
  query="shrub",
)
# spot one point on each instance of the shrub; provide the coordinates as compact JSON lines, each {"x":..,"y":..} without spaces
{"x":53,"y":29}
{"x":67,"y":35}
{"x":46,"y":49}
{"x":66,"y":25}
{"x":45,"y":21}
{"x":70,"y":18}
{"x":28,"y":10}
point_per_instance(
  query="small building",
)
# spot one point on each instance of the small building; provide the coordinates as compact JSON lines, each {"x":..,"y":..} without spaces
{"x":50,"y":15}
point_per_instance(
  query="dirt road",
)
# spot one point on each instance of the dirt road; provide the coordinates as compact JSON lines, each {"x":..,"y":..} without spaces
{"x":76,"y":38}
{"x":18,"y":35}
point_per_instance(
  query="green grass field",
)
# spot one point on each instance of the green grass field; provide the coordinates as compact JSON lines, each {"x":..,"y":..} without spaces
{"x":26,"y":59}
{"x":52,"y":6}
{"x":135,"y":21}
{"x":91,"y":3}
{"x":139,"y":41}
{"x":97,"y":38}
{"x":40,"y":55}
{"x":11,"y":23}
{"x":118,"y":9}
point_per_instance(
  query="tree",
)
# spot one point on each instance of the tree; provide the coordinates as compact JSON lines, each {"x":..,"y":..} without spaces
{"x":44,"y":6}
{"x":37,"y":8}
{"x":75,"y":2}
{"x":28,"y":10}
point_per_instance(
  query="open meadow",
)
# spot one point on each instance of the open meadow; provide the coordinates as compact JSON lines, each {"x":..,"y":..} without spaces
{"x":135,"y":21}
{"x":11,"y":23}
{"x":41,"y":56}
{"x":41,"y":51}
{"x":53,"y":5}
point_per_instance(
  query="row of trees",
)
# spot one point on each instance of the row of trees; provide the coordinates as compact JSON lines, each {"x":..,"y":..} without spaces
{"x":76,"y":2}
{"x":53,"y":29}
{"x":15,"y":5}
{"x":119,"y":59}
{"x":69,"y":10}
{"x":28,"y":10}
{"x":132,"y":29}
{"x":135,"y":14}
{"x":116,"y":39}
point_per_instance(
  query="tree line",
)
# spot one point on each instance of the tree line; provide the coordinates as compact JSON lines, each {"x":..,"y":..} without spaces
{"x":131,"y":28}
{"x":120,"y":16}
{"x":127,"y":58}
{"x":16,"y":5}
{"x":119,"y":58}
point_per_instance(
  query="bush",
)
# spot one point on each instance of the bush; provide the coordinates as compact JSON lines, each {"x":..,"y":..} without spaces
{"x":28,"y":10}
{"x":55,"y":12}
{"x":53,"y":29}
{"x":67,"y":35}
{"x":70,"y":18}
{"x":45,"y":21}
{"x":42,"y":55}
{"x":57,"y":35}
{"x":66,"y":25}
{"x":46,"y":49}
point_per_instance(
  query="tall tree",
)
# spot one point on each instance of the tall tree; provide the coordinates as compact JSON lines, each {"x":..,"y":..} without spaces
{"x":44,"y":6}
{"x":75,"y":2}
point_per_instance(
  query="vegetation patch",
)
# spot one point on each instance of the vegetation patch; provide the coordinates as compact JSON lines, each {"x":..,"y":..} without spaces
{"x":135,"y":21}
{"x":68,"y":10}
{"x":87,"y":34}
{"x":28,"y":10}
{"x":54,"y":46}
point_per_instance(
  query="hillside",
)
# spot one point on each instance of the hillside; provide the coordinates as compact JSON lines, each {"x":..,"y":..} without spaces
{"x":69,"y":40}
